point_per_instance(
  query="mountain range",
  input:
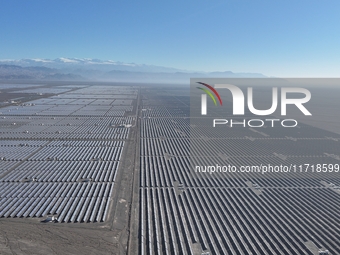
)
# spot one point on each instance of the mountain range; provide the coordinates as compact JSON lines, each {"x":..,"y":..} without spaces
{"x":101,"y":70}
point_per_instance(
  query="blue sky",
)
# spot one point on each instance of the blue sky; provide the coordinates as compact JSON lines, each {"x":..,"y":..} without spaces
{"x":278,"y":38}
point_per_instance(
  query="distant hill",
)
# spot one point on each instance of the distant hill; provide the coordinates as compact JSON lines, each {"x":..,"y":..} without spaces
{"x":13,"y":72}
{"x":99,"y":70}
{"x":88,"y":63}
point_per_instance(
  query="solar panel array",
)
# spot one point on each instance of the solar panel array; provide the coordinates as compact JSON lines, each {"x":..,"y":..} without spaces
{"x":60,"y":155}
{"x":182,"y":212}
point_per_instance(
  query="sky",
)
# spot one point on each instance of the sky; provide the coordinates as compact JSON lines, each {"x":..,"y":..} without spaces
{"x":279,"y":38}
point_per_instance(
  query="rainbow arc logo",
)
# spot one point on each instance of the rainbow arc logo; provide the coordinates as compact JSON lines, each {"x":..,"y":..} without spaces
{"x":204,"y":97}
{"x":209,"y":93}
